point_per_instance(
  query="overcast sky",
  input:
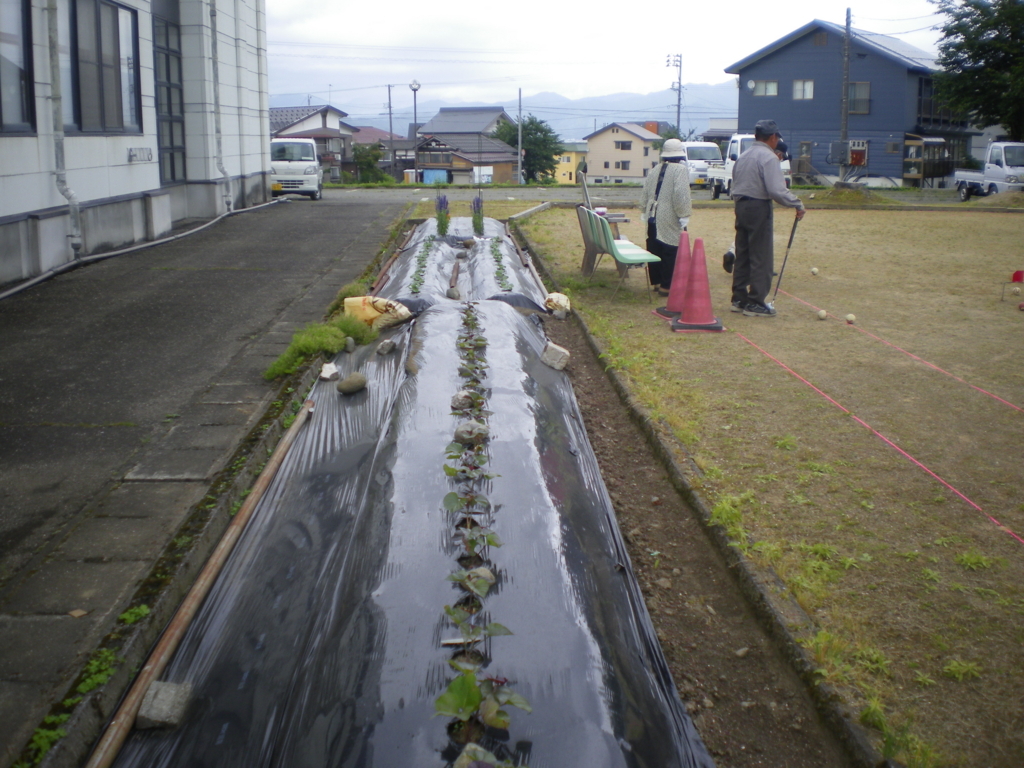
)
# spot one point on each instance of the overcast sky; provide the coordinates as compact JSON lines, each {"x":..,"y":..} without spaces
{"x":472,"y":52}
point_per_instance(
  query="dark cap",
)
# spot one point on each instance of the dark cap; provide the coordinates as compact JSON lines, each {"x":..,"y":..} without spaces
{"x":766,"y":128}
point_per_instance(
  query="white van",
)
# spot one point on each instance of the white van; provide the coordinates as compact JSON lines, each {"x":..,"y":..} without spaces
{"x":294,"y":167}
{"x":698,"y":155}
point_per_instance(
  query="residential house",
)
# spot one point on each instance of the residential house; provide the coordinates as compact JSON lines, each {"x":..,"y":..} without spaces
{"x":898,"y":131}
{"x":162,"y":116}
{"x":573,"y":153}
{"x":621,"y":153}
{"x":461,"y":149}
{"x":322,"y":123}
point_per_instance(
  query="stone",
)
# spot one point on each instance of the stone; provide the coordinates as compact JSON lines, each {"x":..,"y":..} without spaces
{"x":350,"y":344}
{"x":555,"y":356}
{"x":386,"y":347}
{"x":164,"y":705}
{"x":453,"y":293}
{"x":354,"y":382}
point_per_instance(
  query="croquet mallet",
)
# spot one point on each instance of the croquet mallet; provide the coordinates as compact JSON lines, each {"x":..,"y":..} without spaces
{"x":783,"y":270}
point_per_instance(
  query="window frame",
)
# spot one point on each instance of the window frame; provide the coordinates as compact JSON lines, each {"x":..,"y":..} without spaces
{"x":168,"y":95}
{"x":803,"y":90}
{"x":852,"y":100}
{"x":763,"y":85}
{"x":95,"y":112}
{"x":26,"y":77}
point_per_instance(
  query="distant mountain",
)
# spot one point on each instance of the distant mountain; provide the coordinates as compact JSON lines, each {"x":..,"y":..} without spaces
{"x":576,"y":118}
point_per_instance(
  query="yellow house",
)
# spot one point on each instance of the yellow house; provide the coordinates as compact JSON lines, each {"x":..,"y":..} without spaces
{"x":573,"y":153}
{"x":621,"y":153}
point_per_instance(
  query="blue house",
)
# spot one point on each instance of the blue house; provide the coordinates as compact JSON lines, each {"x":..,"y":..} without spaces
{"x":896,"y":128}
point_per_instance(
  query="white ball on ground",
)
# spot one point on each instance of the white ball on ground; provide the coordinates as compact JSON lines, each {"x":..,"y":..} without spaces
{"x":1016,"y":291}
{"x":850,"y":319}
{"x":822,"y":314}
{"x":814,"y":270}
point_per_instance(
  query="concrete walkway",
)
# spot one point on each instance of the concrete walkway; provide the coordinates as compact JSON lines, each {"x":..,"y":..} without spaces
{"x":125,"y":387}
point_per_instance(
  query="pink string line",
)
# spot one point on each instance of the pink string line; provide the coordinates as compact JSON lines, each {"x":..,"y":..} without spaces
{"x":911,"y":354}
{"x":879,"y":435}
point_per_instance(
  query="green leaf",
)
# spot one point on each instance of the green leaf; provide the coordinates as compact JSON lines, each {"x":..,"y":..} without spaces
{"x":461,"y":665}
{"x":450,"y":470}
{"x":479,"y":587}
{"x":453,"y":502}
{"x":492,"y":715}
{"x":516,"y":700}
{"x":456,"y":614}
{"x":494,"y":629}
{"x":461,"y":699}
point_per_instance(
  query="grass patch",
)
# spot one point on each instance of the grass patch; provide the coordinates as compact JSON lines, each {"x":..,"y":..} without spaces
{"x":319,"y":339}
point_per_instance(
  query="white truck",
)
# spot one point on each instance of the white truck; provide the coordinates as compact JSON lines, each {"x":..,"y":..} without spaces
{"x":700,"y":155}
{"x":1004,"y":172}
{"x":294,"y":167}
{"x":720,"y":174}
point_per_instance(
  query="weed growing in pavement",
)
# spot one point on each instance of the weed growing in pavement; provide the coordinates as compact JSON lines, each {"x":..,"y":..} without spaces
{"x":135,"y":614}
{"x":786,"y":443}
{"x":972,"y":560}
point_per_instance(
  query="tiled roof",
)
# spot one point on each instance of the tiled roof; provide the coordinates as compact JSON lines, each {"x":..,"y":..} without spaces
{"x":282,"y":117}
{"x":463,"y":120}
{"x":637,"y":130}
{"x":370,"y":135}
{"x":476,"y":146}
{"x":904,"y":53}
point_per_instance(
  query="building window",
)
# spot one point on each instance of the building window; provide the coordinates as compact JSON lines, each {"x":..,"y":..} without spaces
{"x":606,"y":164}
{"x":627,"y":145}
{"x":625,"y":165}
{"x":893,"y":148}
{"x":566,"y":159}
{"x":766,"y":87}
{"x":618,"y":165}
{"x":821,"y":38}
{"x":170,"y":111}
{"x":16,"y":99}
{"x":860,"y":98}
{"x":647,"y":151}
{"x":803,"y":90}
{"x":805,"y":149}
{"x":99,"y":66}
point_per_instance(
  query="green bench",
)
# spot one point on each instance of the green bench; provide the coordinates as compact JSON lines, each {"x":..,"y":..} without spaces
{"x":598,"y":239}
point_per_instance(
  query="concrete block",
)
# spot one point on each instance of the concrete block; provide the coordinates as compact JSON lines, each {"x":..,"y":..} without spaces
{"x":164,"y":705}
{"x":555,"y":356}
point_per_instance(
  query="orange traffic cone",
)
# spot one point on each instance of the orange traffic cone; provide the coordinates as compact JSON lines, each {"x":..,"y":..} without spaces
{"x":697,"y":314}
{"x":680,"y":274}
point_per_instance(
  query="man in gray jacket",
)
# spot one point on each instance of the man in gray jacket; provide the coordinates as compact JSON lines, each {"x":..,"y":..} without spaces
{"x":757,"y":180}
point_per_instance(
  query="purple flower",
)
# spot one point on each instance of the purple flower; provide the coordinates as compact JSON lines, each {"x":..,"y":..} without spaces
{"x":441,"y":203}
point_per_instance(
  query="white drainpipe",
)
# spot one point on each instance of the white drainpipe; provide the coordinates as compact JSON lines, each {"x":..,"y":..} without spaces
{"x":75,"y":236}
{"x":216,"y":104}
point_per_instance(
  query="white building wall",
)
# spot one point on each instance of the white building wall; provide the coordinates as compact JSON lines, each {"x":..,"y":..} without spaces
{"x":121,"y":197}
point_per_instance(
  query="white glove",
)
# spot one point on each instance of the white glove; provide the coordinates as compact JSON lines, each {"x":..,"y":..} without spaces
{"x":683,"y":222}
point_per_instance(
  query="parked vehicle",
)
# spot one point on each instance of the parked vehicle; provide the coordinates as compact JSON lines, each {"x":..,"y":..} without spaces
{"x":294,"y":167}
{"x":1004,"y":172}
{"x":720,"y":174}
{"x":699,"y":155}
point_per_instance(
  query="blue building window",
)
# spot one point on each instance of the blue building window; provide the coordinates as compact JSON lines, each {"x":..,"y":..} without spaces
{"x":803,"y":90}
{"x":16,"y":113}
{"x":766,"y":87}
{"x":860,"y":98}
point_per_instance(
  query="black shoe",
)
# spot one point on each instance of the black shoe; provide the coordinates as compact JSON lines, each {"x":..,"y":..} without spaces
{"x":728,"y":260}
{"x":759,"y":310}
{"x":738,"y":306}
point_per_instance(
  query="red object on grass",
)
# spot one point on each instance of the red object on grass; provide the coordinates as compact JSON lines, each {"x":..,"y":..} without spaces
{"x":697,"y":313}
{"x":680,"y":274}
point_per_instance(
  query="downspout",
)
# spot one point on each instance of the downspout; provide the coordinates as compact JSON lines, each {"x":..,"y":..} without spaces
{"x":216,"y":105}
{"x":75,"y":236}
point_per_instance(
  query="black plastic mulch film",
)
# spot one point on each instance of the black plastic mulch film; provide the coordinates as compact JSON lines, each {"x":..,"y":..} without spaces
{"x":321,"y":643}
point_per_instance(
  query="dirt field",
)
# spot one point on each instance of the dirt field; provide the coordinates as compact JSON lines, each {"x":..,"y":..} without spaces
{"x":884,"y":485}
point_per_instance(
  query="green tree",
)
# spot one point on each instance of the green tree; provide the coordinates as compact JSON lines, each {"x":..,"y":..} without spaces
{"x":672,"y":132}
{"x":982,"y":57}
{"x":366,"y":157}
{"x":541,"y":145}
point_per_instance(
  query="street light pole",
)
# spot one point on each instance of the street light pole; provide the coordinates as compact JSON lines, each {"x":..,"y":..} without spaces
{"x":414,"y":87}
{"x":676,"y":59}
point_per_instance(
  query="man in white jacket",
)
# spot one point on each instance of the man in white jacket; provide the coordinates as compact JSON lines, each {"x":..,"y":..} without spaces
{"x":665,"y":202}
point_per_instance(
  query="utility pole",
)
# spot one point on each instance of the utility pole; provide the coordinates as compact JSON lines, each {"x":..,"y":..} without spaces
{"x":520,"y":140}
{"x":676,"y":59}
{"x":391,"y":136}
{"x":844,"y":122}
